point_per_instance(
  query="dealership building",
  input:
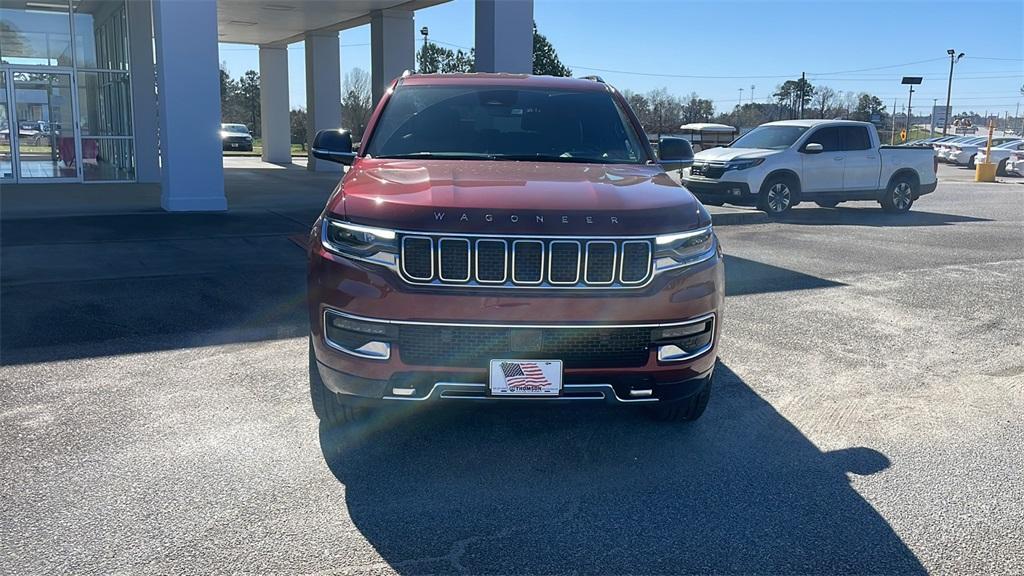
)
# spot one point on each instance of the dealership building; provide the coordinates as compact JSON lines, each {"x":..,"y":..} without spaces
{"x":114,"y":91}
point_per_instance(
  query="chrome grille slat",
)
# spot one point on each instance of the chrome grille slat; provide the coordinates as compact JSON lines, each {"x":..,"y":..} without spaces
{"x":526,"y":262}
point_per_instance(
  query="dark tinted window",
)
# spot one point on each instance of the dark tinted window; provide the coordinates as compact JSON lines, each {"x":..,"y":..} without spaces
{"x":486,"y":122}
{"x":856,"y":138}
{"x":770,"y":137}
{"x":827,"y":137}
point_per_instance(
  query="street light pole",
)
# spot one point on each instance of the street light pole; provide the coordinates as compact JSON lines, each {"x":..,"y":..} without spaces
{"x":912,"y":81}
{"x":949,"y":87}
{"x":931,"y":123}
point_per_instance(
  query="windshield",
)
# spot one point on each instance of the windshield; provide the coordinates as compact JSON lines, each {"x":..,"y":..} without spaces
{"x":238,"y":128}
{"x":770,"y":137}
{"x":486,"y":123}
{"x":1010,"y":144}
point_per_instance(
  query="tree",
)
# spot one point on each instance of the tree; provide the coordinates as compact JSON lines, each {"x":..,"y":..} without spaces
{"x":433,"y":59}
{"x":356,"y":103}
{"x":788,"y":95}
{"x":298,"y":120}
{"x":697,"y":109}
{"x":248,"y":96}
{"x":228,"y":96}
{"x":545,"y":59}
{"x":824,"y":99}
{"x":638,"y":102}
{"x":867,"y":105}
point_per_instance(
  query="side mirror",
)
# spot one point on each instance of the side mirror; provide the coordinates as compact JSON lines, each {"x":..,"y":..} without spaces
{"x":674,"y":153}
{"x":334,"y":146}
{"x":814,"y":148}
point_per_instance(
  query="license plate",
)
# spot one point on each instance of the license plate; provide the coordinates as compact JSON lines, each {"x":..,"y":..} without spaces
{"x":234,"y":145}
{"x":526,"y":377}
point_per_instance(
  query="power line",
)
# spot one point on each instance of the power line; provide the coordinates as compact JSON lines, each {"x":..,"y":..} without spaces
{"x":876,"y":68}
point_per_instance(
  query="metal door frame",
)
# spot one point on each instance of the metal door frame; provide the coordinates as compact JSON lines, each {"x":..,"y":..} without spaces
{"x":11,"y":70}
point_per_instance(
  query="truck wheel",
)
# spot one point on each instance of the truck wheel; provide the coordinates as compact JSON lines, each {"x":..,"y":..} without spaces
{"x":1001,"y":168}
{"x":827,"y":203}
{"x":899,"y":197}
{"x":327,"y":406}
{"x":777,"y":196}
{"x":685,"y":410}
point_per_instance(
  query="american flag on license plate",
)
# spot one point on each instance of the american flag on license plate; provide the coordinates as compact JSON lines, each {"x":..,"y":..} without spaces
{"x":524,"y":376}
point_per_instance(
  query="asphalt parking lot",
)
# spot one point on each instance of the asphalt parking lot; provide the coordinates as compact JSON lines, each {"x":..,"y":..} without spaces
{"x":155,"y":418}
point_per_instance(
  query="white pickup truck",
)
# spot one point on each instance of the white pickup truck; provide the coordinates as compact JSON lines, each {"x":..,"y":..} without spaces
{"x":777,"y":165}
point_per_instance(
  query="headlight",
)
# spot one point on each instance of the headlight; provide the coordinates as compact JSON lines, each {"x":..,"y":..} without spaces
{"x":685,"y":248}
{"x":357,"y":240}
{"x":743,"y":164}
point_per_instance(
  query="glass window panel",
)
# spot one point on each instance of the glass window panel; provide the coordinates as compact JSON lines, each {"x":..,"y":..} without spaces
{"x":45,"y":123}
{"x":6,"y":158}
{"x":108,"y":159}
{"x":36,"y":34}
{"x":104,"y":104}
{"x":101,"y":34}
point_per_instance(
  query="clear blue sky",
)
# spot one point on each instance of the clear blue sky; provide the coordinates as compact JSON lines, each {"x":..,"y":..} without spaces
{"x":842,"y":44}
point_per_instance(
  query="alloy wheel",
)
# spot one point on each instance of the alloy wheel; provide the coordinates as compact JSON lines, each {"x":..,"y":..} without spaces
{"x":779,"y":198}
{"x":902,"y":195}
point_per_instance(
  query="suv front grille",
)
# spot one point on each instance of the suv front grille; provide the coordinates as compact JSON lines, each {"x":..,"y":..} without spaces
{"x":471,"y":346}
{"x":707,"y":170}
{"x":525,"y":262}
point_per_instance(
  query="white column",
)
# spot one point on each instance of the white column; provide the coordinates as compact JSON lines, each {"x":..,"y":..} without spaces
{"x":275,"y":124}
{"x":189,"y":84}
{"x":323,"y":91}
{"x":392,"y":47}
{"x":143,"y":79}
{"x":504,"y":36}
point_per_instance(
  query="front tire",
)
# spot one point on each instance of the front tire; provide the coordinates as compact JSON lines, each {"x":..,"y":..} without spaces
{"x":327,"y":405}
{"x":1001,"y":168}
{"x":685,"y":410}
{"x":777,"y":196}
{"x":899,"y":196}
{"x":970,"y":162}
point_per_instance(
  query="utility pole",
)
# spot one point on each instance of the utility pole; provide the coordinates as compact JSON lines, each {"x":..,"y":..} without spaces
{"x":931,"y":123}
{"x":953,"y":59}
{"x":803,"y":81}
{"x":892,"y":140}
{"x":752,"y":93}
{"x":740,"y":102}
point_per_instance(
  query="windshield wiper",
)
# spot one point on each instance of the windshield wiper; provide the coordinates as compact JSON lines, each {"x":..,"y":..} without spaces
{"x":440,"y":155}
{"x":554,"y":158}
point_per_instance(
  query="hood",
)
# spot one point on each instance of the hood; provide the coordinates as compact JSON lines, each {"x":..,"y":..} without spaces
{"x":726,"y":154}
{"x":515,"y":198}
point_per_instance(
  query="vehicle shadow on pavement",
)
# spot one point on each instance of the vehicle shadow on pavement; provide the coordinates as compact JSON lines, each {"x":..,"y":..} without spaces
{"x":744,"y":276}
{"x":871,"y":216}
{"x":542,"y":489}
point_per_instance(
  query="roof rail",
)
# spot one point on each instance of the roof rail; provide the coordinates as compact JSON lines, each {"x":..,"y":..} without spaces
{"x":594,"y":78}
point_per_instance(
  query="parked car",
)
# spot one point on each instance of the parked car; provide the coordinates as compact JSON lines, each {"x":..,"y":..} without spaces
{"x":504,"y":237}
{"x":777,"y":165}
{"x":964,"y":154}
{"x":235,"y":137}
{"x":1015,"y":163}
{"x":1001,"y":155}
{"x":942,"y":149}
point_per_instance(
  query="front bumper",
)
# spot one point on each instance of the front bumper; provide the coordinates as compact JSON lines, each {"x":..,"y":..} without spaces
{"x":363,"y":292}
{"x":721,"y":191}
{"x":960,"y":158}
{"x":437,"y":387}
